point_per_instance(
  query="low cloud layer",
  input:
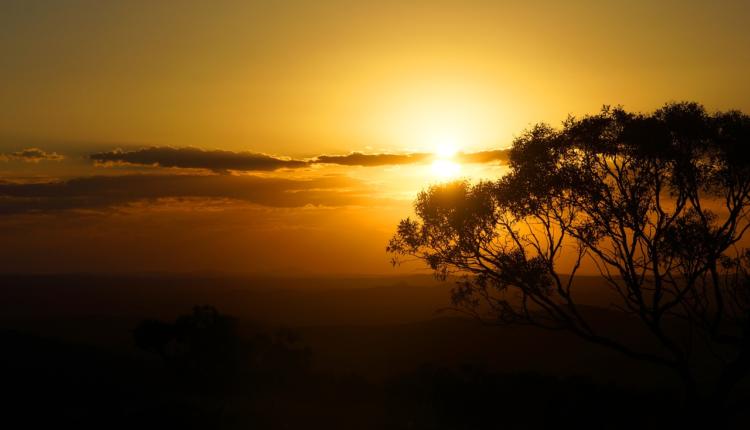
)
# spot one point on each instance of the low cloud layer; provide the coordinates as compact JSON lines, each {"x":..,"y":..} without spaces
{"x":360,"y":159}
{"x":215,"y":160}
{"x":31,"y":155}
{"x":500,"y":155}
{"x":222,"y":161}
{"x":101,"y":192}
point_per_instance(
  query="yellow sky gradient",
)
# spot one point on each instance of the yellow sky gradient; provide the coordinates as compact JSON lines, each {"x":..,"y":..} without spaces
{"x":299,"y":77}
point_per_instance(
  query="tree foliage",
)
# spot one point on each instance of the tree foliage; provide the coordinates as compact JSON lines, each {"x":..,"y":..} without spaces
{"x":656,"y":203}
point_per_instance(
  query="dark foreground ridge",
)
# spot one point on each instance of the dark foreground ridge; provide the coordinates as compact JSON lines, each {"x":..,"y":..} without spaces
{"x":151,"y":361}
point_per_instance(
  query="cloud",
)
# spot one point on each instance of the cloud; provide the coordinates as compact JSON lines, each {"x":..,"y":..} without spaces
{"x":360,"y":159}
{"x":188,"y":157}
{"x":101,"y":192}
{"x":31,"y":155}
{"x":221,"y":161}
{"x":500,"y":155}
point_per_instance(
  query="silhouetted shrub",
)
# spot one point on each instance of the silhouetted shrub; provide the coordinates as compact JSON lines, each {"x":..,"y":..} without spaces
{"x":205,"y":351}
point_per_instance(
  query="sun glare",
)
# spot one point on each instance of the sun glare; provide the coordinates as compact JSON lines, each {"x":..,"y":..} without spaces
{"x":445,"y":147}
{"x":444,"y":166}
{"x":445,"y":169}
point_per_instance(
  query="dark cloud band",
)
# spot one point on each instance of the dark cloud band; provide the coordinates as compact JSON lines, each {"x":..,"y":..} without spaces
{"x":31,"y":155}
{"x":220,"y":161}
{"x":499,"y":155}
{"x":196,"y":158}
{"x":360,"y":159}
{"x":100,"y":192}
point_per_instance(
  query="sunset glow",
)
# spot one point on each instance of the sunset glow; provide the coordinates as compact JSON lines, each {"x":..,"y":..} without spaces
{"x":391,"y":214}
{"x":279,"y":122}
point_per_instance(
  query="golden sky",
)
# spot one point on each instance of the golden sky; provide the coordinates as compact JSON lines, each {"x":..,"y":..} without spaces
{"x":150,"y":113}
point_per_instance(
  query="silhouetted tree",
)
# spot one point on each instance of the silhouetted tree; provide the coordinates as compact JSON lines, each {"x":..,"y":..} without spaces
{"x":657,"y":203}
{"x":205,"y":350}
{"x":202,"y":347}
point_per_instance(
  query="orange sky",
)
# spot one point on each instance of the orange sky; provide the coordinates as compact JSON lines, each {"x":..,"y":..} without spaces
{"x":296,"y":80}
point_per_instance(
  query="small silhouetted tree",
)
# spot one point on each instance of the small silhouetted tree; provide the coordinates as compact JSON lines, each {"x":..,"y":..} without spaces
{"x":206,"y":351}
{"x":656,"y":203}
{"x":202,"y":347}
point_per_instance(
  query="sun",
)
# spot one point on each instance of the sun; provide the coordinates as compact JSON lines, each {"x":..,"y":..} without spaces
{"x":444,"y":165}
{"x":445,"y":147}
